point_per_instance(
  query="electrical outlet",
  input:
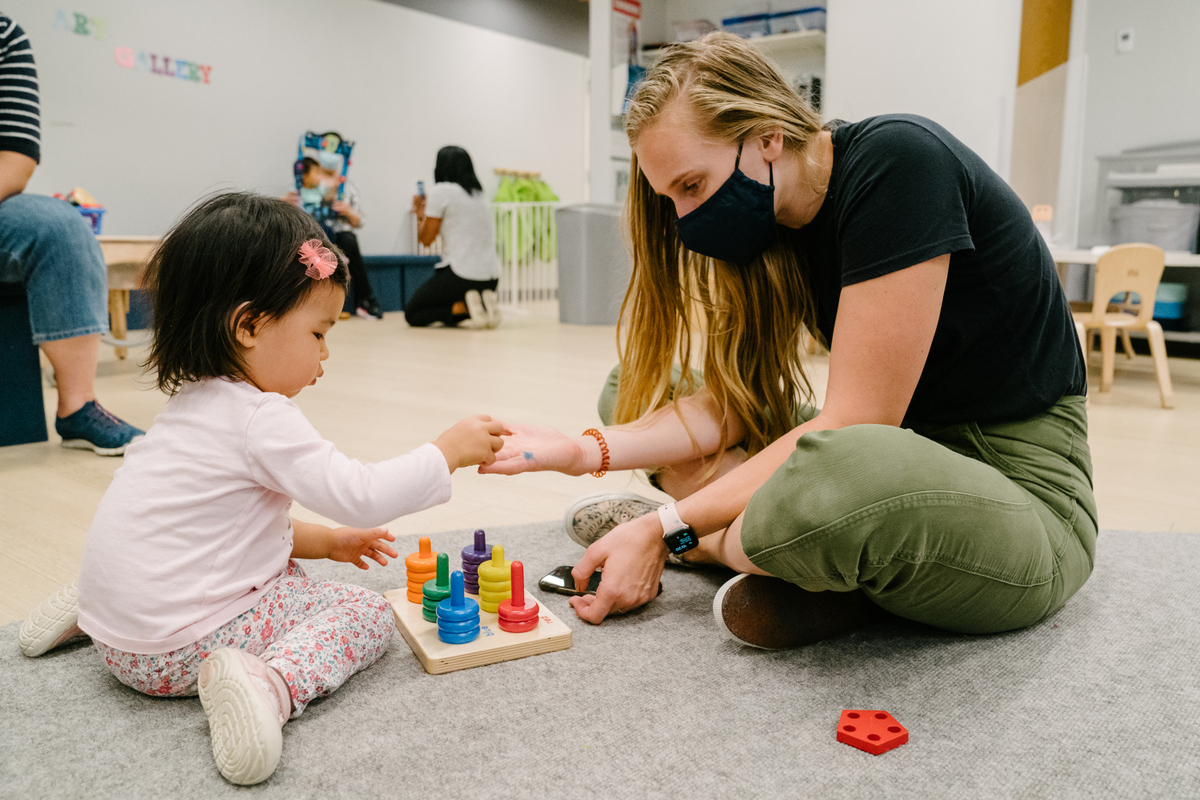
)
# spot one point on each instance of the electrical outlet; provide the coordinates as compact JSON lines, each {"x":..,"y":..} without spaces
{"x":1125,"y":40}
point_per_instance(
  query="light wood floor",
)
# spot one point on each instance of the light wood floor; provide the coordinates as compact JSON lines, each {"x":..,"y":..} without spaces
{"x":389,"y":388}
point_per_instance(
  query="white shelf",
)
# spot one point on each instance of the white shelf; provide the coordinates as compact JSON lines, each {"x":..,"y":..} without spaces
{"x":1148,"y":180}
{"x":779,"y":45}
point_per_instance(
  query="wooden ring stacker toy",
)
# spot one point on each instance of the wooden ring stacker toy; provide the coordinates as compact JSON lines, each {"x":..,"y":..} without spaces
{"x":519,"y":613}
{"x":421,"y":567}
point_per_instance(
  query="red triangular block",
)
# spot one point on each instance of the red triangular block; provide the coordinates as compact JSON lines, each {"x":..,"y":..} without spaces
{"x":871,"y":730}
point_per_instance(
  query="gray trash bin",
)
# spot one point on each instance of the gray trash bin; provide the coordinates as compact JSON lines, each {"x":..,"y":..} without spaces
{"x":593,"y":264}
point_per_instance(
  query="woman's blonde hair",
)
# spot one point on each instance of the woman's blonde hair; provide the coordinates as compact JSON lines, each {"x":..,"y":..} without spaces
{"x":750,"y":318}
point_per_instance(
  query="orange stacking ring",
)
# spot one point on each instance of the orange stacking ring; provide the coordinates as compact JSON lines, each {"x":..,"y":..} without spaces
{"x":420,"y":567}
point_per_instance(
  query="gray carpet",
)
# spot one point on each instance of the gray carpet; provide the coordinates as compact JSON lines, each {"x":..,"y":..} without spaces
{"x":1101,"y":701}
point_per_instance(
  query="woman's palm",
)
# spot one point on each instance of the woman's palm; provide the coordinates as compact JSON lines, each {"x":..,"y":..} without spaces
{"x":533,"y":448}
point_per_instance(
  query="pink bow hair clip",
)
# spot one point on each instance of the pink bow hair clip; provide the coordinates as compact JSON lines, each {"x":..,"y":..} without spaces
{"x":320,"y":260}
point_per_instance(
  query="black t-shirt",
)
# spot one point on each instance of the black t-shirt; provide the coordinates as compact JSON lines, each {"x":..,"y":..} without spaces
{"x":903,"y":191}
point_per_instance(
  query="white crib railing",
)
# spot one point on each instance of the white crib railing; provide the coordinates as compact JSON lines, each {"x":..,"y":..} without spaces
{"x":527,"y":247}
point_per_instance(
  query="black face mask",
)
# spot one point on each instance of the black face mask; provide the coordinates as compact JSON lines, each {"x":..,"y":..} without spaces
{"x":736,"y":224}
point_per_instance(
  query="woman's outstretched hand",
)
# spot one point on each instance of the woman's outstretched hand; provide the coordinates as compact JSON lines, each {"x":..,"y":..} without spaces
{"x":535,"y":448}
{"x":633,"y":555}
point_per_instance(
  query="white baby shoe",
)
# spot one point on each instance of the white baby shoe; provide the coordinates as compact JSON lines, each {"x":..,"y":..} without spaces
{"x":244,"y":700}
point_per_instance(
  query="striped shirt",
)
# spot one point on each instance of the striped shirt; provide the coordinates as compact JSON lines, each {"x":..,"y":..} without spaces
{"x":20,"y":130}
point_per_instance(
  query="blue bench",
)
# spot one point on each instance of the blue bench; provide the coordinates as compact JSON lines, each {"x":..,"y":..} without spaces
{"x":22,"y":415}
{"x":396,"y":278}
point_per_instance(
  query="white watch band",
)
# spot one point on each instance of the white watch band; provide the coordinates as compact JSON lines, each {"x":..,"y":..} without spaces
{"x":669,"y":518}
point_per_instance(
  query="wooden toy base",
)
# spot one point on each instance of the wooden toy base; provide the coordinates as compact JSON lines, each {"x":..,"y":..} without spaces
{"x":492,"y":646}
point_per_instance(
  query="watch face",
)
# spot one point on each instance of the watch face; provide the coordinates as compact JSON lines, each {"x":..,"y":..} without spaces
{"x":681,"y":541}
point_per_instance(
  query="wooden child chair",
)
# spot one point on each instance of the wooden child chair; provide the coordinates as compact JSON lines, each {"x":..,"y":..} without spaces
{"x":1127,"y":269}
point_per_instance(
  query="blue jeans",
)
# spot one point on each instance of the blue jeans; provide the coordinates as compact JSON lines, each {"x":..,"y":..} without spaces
{"x":47,"y":245}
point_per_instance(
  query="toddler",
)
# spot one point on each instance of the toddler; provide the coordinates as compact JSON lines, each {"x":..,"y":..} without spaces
{"x":188,"y":583}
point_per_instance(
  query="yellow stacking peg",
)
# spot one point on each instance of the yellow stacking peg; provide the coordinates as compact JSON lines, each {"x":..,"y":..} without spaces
{"x":495,"y":581}
{"x":421,"y":567}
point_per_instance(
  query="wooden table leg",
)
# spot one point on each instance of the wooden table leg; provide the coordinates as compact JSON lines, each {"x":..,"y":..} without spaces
{"x":118,"y":307}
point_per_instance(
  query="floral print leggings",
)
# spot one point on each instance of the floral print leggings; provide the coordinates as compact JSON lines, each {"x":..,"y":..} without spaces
{"x":316,"y":634}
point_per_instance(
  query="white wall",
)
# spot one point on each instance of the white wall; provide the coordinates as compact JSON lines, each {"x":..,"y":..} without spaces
{"x":401,"y":83}
{"x":1037,"y":137}
{"x":952,"y":61}
{"x":1147,"y":97}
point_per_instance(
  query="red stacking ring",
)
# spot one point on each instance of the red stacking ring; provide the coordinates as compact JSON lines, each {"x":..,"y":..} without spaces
{"x":519,"y":613}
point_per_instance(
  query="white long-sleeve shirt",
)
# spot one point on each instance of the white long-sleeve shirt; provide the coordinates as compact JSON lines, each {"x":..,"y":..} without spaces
{"x":195,"y":529}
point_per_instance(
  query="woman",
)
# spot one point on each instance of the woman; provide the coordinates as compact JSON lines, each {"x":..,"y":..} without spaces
{"x":947,"y":477}
{"x":464,"y":284}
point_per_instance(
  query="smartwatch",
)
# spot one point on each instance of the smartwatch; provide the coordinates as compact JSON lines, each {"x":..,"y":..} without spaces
{"x":678,"y":536}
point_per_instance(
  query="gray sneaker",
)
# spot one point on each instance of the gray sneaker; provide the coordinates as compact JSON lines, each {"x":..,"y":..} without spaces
{"x":593,"y":515}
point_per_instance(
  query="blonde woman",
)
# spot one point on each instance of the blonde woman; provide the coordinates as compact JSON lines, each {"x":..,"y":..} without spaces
{"x":946,"y":478}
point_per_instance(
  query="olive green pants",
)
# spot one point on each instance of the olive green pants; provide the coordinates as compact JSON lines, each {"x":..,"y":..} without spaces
{"x":972,"y":527}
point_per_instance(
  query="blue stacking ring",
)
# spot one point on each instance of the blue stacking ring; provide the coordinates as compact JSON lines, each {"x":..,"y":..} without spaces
{"x":458,"y":627}
{"x":459,"y":638}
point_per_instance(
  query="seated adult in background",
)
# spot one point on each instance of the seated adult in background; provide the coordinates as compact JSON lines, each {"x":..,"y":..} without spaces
{"x":349,"y":215}
{"x":318,"y":196}
{"x":46,"y":245}
{"x":464,"y":284}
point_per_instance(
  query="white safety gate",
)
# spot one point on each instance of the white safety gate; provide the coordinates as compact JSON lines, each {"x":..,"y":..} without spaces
{"x":527,"y":247}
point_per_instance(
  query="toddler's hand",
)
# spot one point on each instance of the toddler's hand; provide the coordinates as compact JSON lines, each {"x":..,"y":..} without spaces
{"x":473,"y":440}
{"x":352,"y":545}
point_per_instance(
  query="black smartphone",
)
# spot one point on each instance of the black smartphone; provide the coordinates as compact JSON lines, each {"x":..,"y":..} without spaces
{"x":560,"y":581}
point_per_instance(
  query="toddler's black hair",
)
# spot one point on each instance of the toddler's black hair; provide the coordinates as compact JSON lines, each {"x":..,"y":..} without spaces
{"x":234,"y":257}
{"x":307,"y":164}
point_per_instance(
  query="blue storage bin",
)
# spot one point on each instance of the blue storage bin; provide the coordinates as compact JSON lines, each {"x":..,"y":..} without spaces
{"x":748,"y":25}
{"x":810,"y":18}
{"x":94,"y":216}
{"x":1170,"y":301}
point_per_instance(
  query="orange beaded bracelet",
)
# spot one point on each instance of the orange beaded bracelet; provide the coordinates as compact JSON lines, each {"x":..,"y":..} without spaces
{"x":599,"y":437}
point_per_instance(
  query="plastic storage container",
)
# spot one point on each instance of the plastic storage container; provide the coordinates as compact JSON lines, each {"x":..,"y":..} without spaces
{"x":809,"y":18}
{"x":1170,"y":306}
{"x":748,"y":25}
{"x":593,"y":264}
{"x":94,"y":216}
{"x":1167,"y":223}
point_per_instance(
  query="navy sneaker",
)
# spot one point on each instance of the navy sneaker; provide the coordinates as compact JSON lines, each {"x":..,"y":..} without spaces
{"x":94,"y":428}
